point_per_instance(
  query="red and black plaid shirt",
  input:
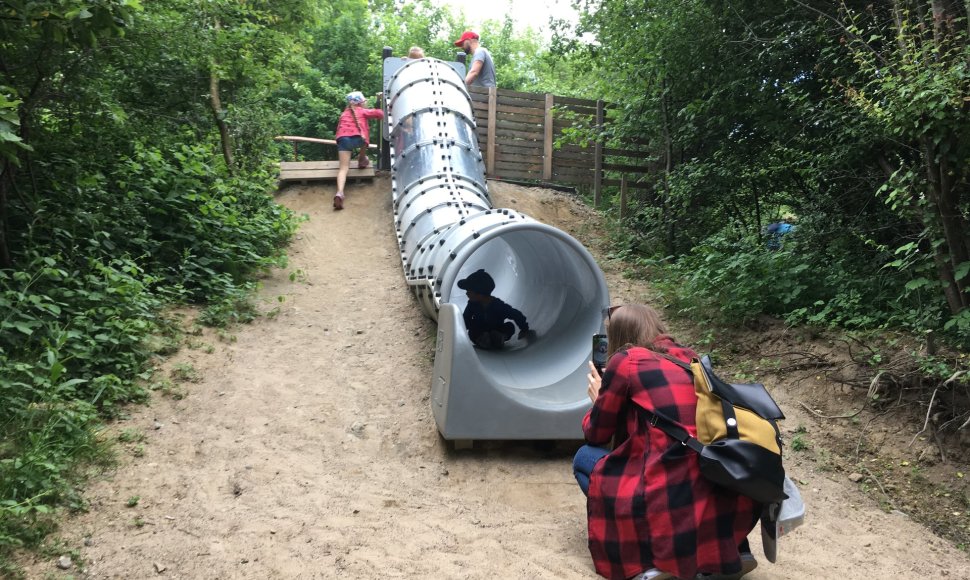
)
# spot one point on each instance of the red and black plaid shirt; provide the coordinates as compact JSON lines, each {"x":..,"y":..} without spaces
{"x":649,"y":506}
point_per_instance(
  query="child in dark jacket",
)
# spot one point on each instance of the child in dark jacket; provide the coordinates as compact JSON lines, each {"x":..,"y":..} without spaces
{"x":486,"y":316}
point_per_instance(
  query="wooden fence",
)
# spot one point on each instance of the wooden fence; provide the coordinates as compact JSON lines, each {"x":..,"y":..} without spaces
{"x":518,"y":134}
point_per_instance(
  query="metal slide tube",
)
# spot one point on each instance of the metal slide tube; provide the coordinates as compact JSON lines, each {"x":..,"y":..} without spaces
{"x":447,"y":228}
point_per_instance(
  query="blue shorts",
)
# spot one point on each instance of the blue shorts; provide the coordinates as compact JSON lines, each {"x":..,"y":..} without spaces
{"x":350,"y":143}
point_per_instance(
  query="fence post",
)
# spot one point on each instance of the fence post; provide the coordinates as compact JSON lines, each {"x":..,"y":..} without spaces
{"x":490,"y":147}
{"x":623,"y":197}
{"x":547,"y":140}
{"x":384,"y":155}
{"x":598,"y":156}
{"x":296,"y":154}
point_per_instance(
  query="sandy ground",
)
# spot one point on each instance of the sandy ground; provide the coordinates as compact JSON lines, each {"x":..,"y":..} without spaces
{"x":307,"y":449}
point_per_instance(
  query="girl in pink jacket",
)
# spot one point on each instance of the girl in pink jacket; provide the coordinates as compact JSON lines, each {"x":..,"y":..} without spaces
{"x":353,"y":132}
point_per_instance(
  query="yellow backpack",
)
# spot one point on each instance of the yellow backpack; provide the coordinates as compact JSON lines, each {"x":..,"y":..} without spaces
{"x":737,"y":434}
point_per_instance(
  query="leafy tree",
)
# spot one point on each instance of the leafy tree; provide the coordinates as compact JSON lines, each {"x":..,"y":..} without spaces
{"x":114,"y":201}
{"x":912,"y":81}
{"x":42,"y":46}
{"x":755,"y":111}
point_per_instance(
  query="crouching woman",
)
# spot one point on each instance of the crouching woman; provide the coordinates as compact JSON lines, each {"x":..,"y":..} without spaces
{"x":651,"y":514}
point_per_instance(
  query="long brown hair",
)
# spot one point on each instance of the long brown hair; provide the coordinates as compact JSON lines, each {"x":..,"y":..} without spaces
{"x":353,"y":113}
{"x":634,"y":325}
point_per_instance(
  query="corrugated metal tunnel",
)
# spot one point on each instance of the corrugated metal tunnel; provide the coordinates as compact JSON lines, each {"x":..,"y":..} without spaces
{"x":447,"y":228}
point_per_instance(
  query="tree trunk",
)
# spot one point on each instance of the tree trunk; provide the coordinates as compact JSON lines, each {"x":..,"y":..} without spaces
{"x":220,"y":118}
{"x":945,"y":187}
{"x":217,"y":112}
{"x":668,"y":167}
{"x":945,"y":206}
{"x":5,"y":178}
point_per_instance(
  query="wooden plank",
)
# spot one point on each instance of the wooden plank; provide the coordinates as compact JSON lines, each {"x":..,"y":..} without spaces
{"x":588,"y":111}
{"x":518,"y":164}
{"x":523,"y":120}
{"x":478,"y":92}
{"x":574,"y":162}
{"x":534,"y":120}
{"x":520,"y":94}
{"x":291,"y":165}
{"x":586,"y":155}
{"x":518,"y":102}
{"x":547,"y":138}
{"x":574,"y":101}
{"x":624,"y":192}
{"x":526,"y":135}
{"x":512,"y":122}
{"x":598,"y":171}
{"x":572,"y":170}
{"x":490,"y":155}
{"x":580,"y":163}
{"x":327,"y":174}
{"x":522,"y":148}
{"x":523,"y":127}
{"x":508,"y":174}
{"x":573,"y":179}
{"x":571,"y":147}
{"x":529,"y":113}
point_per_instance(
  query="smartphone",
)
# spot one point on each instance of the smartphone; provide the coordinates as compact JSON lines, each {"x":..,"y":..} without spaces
{"x":599,"y":352}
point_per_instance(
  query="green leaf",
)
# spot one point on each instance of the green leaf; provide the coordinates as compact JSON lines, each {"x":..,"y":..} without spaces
{"x":918,"y":283}
{"x":24,"y":327}
{"x":961,"y":271}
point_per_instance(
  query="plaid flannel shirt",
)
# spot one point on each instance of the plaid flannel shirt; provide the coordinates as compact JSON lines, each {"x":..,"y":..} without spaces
{"x":649,"y":506}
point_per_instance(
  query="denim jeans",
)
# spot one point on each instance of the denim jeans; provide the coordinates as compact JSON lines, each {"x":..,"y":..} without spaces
{"x":350,"y":143}
{"x":583,"y":463}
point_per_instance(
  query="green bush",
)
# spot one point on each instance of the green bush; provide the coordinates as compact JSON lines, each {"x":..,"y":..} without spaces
{"x":157,"y":227}
{"x":735,"y":281}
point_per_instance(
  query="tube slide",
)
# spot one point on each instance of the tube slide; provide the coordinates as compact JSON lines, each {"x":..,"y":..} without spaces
{"x":532,"y":388}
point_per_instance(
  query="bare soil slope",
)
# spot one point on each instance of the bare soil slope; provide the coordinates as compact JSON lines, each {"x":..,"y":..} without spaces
{"x":306,"y":447}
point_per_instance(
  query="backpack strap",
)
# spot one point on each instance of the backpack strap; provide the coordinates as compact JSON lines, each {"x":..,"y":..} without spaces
{"x":677,"y":362}
{"x":671,"y":428}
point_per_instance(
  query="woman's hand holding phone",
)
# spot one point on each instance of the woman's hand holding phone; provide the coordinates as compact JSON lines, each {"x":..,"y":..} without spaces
{"x":594,"y":382}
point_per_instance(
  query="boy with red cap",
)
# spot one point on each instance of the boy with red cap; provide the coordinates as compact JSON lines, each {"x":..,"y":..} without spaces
{"x":481,"y":73}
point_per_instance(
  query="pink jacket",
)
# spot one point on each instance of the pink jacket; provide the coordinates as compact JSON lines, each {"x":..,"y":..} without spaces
{"x":346,"y":127}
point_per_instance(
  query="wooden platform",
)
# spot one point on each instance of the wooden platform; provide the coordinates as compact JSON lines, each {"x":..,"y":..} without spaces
{"x":304,"y":171}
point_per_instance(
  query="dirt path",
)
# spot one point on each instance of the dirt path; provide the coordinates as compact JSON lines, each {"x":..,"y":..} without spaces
{"x":307,"y":448}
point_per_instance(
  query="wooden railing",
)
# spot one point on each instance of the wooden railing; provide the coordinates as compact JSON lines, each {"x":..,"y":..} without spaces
{"x":297,"y":140}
